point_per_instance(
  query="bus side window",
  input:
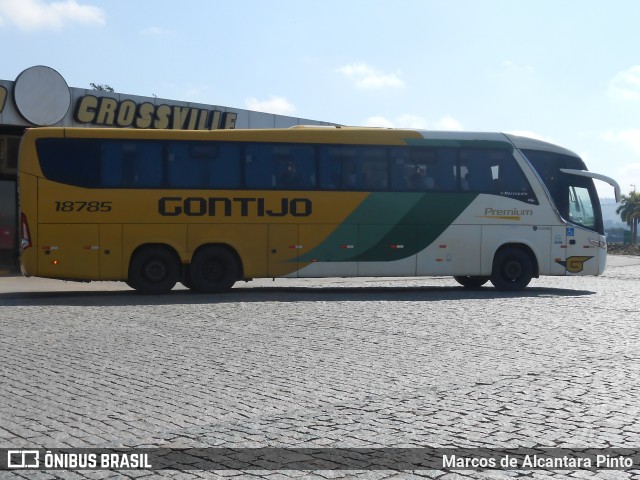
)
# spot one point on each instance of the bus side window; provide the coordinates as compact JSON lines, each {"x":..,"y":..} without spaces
{"x":351,"y":169}
{"x":111,"y":165}
{"x":513,"y":182}
{"x":305,"y":158}
{"x":400,"y":168}
{"x":330,"y":170}
{"x":495,"y":172}
{"x":286,"y":172}
{"x":339,"y":168}
{"x":479,"y":173}
{"x":295,"y":166}
{"x":146,"y":158}
{"x":70,"y":161}
{"x":445,"y":175}
{"x":423,"y":169}
{"x":375,"y":168}
{"x":125,"y":163}
{"x":185,"y":167}
{"x":258,"y":166}
{"x":224,"y":171}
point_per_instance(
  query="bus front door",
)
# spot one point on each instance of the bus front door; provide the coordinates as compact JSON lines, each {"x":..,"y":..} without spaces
{"x":582,"y":251}
{"x":575,"y":247}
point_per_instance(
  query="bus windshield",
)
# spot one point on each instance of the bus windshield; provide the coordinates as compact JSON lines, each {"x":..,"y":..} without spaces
{"x":575,"y":197}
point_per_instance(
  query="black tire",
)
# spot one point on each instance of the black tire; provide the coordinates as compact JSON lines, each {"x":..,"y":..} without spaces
{"x":512,"y":269}
{"x":154,"y":270}
{"x":471,"y":282}
{"x":213,"y":269}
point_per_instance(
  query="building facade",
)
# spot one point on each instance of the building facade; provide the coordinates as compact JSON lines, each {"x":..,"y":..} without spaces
{"x":40,"y":96}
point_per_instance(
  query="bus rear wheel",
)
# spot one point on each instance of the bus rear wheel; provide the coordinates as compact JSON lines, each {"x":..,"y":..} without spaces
{"x":213,"y":269}
{"x":512,"y":269}
{"x":471,"y":282}
{"x":153,"y":270}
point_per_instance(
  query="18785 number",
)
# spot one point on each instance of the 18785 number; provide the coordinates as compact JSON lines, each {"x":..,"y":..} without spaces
{"x":70,"y":206}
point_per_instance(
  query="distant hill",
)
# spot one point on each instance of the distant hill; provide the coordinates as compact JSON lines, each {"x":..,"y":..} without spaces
{"x":609,"y":215}
{"x":614,"y":227}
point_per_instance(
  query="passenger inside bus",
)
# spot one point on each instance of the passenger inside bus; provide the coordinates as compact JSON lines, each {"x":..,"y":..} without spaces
{"x":419,"y":179}
{"x":289,"y":177}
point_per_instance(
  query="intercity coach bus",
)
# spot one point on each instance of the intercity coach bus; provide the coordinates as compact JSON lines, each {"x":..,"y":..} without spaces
{"x":153,"y":208}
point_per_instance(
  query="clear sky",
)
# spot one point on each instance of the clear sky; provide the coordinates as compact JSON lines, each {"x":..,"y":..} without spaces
{"x":564,"y":71}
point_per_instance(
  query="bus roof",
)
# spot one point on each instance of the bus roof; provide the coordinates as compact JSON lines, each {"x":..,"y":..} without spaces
{"x":310,"y":132}
{"x":526,"y":143}
{"x":517,"y":141}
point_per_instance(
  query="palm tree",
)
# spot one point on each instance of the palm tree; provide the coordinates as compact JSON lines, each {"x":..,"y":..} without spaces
{"x":629,"y":211}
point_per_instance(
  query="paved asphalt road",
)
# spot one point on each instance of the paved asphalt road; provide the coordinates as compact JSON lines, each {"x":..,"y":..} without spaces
{"x":333,"y":363}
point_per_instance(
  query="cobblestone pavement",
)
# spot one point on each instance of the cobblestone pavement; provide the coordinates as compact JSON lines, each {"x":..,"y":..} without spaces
{"x":324,"y":363}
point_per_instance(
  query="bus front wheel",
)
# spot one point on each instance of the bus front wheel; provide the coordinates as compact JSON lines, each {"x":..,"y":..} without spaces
{"x":213,"y":269}
{"x":153,"y":270}
{"x":471,"y":282}
{"x":512,"y":269}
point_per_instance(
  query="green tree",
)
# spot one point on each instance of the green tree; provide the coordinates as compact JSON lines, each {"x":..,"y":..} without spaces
{"x":102,"y":88}
{"x":629,"y":211}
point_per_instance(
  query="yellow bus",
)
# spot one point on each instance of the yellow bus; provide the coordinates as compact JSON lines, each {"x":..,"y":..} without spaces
{"x":153,"y":208}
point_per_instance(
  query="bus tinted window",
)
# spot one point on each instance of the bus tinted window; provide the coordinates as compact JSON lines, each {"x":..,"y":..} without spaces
{"x":375,"y":168}
{"x":295,"y":166}
{"x":495,"y":172}
{"x":187,"y":166}
{"x":140,"y":164}
{"x":258,"y":166}
{"x":423,"y":169}
{"x":225,"y":165}
{"x":479,"y":171}
{"x":353,"y":168}
{"x":421,"y":172}
{"x":339,"y":168}
{"x":269,"y":165}
{"x":225,"y":171}
{"x":203,"y":165}
{"x":548,"y":165}
{"x":131,"y":164}
{"x":76,"y":164}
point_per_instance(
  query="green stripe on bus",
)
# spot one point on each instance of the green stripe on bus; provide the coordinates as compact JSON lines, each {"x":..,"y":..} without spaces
{"x":421,"y":225}
{"x":384,"y":210}
{"x":391,"y":226}
{"x":428,"y":142}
